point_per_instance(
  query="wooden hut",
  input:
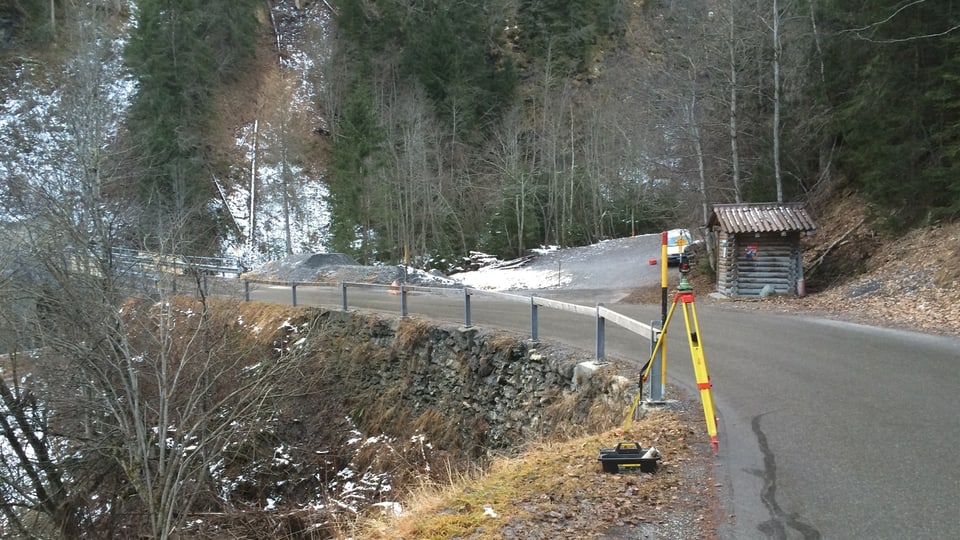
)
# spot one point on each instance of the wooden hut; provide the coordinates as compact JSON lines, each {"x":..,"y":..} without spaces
{"x":758,"y":248}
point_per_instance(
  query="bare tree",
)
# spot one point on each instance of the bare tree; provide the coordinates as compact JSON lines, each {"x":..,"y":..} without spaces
{"x":282,"y":156}
{"x":734,"y":89}
{"x":418,"y":193}
{"x":777,"y":54}
{"x":119,"y":400}
{"x":513,"y":168}
{"x":134,"y":387}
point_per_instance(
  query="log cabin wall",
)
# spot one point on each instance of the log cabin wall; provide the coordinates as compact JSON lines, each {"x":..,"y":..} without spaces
{"x":758,"y":248}
{"x":758,"y":260}
{"x":726,"y":263}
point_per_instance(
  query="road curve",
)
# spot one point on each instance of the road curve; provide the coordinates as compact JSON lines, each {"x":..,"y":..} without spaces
{"x":827,"y":429}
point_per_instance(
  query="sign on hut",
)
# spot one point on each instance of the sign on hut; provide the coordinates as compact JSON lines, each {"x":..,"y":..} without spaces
{"x":758,"y":248}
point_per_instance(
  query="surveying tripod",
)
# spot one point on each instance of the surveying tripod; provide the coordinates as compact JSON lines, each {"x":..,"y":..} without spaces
{"x":684,"y":298}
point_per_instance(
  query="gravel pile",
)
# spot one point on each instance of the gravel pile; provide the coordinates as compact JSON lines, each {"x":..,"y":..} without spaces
{"x":333,"y":268}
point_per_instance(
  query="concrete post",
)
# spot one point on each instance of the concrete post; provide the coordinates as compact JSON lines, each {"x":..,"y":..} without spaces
{"x":466,"y":307}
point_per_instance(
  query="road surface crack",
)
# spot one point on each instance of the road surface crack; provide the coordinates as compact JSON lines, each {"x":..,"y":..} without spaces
{"x":776,"y":526}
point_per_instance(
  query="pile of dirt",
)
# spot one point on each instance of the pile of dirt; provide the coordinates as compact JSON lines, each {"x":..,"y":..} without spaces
{"x":334,"y":268}
{"x":326,"y":268}
{"x":908,"y":282}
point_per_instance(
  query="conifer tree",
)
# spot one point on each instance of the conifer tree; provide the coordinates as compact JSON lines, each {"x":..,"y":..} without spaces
{"x":892,"y":78}
{"x":355,"y":161}
{"x":180,"y":51}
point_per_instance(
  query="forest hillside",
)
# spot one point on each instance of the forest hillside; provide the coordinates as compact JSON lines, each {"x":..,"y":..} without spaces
{"x":392,"y":129}
{"x":420,"y":129}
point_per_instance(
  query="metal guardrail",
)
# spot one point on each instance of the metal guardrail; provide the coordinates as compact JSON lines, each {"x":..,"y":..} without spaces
{"x":598,"y":313}
{"x":144,"y":264}
{"x":155,"y":263}
{"x":152,"y":265}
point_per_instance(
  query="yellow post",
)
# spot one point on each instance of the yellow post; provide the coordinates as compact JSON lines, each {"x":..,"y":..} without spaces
{"x":663,"y":311}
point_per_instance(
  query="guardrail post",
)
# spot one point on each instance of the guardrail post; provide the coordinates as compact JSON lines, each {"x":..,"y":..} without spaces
{"x":656,"y":370}
{"x":534,"y":322}
{"x":343,"y":295}
{"x":293,"y":292}
{"x":466,"y":307}
{"x":601,"y":322}
{"x":403,"y":299}
{"x":246,"y":290}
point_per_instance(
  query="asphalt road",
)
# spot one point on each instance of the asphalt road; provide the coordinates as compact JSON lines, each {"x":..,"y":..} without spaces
{"x":827,"y":429}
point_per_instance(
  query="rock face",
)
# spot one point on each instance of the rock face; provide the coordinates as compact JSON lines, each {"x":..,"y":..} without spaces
{"x":475,"y":390}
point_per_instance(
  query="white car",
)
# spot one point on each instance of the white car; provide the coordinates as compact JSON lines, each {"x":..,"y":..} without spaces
{"x":678,"y":243}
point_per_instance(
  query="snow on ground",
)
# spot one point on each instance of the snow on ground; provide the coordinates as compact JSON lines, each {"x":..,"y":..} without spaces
{"x":265,"y":144}
{"x":509,"y":279}
{"x":618,"y":263}
{"x":611,"y":265}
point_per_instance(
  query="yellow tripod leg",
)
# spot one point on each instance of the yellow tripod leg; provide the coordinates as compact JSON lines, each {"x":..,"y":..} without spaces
{"x":700,"y":367}
{"x":661,"y":343}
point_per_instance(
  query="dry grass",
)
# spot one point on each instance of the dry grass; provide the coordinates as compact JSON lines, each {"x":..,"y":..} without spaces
{"x":550,"y":485}
{"x":564,"y":415}
{"x":554,"y":487}
{"x":411,"y":331}
{"x":503,"y":341}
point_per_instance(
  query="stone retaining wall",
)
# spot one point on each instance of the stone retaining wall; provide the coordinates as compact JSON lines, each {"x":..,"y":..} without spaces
{"x":497,"y":389}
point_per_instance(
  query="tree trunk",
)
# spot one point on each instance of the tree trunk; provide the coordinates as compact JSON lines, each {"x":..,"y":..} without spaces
{"x":701,"y":171}
{"x":252,"y":224}
{"x":285,"y":180}
{"x":816,"y":40}
{"x":777,"y":53}
{"x":734,"y":130}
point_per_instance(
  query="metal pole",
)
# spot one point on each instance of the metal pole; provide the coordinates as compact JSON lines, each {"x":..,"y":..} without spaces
{"x":534,"y":322}
{"x":466,"y":307}
{"x":663,"y":278}
{"x":293,"y":291}
{"x":600,"y":335}
{"x":343,"y":295}
{"x":246,"y":290}
{"x":657,"y":384}
{"x":403,"y":300}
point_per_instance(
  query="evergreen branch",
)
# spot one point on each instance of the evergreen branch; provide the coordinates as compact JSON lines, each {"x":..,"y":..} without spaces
{"x":911,"y":38}
{"x":885,"y":21}
{"x":858,"y":31}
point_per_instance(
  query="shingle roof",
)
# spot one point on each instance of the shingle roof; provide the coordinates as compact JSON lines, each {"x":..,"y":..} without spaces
{"x":762,"y":217}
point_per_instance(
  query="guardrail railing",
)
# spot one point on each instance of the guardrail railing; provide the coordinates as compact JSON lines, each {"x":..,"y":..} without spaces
{"x":127,"y":259}
{"x":598,"y":313}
